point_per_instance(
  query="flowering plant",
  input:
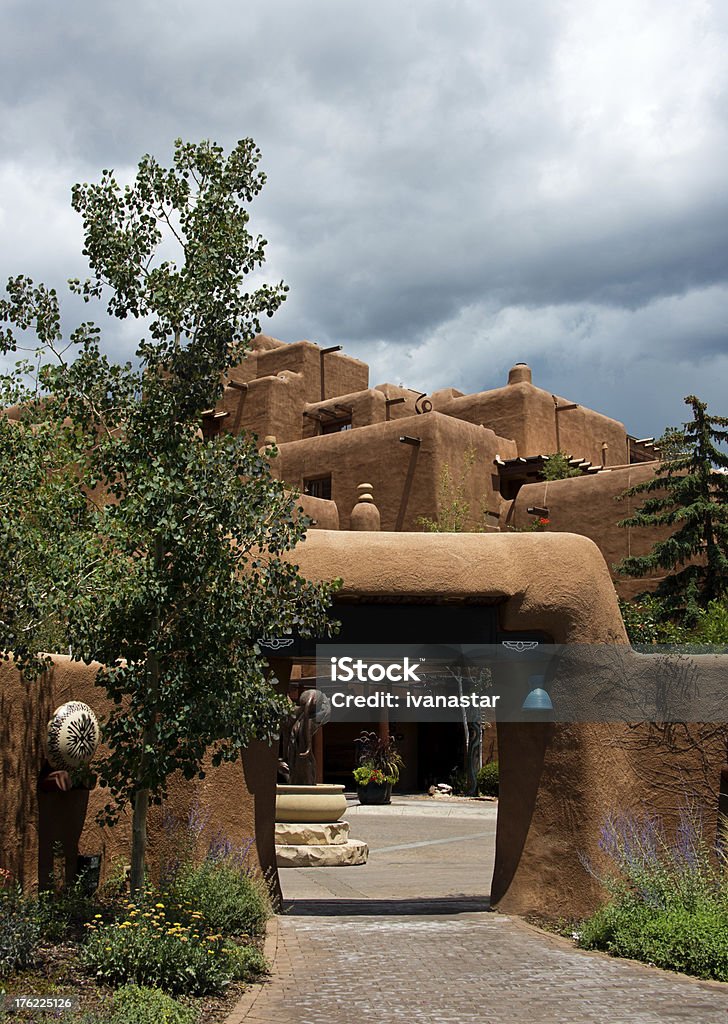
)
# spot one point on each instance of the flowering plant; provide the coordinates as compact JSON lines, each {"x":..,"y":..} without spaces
{"x":379,"y":760}
{"x":366,"y":774}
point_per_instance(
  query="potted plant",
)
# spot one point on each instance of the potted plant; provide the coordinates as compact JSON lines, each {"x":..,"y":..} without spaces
{"x":379,"y":766}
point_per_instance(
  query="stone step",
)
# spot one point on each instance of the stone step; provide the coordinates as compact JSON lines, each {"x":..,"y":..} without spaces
{"x":353,"y":851}
{"x":331,"y":833}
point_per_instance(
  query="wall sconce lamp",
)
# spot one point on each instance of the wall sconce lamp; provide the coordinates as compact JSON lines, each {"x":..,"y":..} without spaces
{"x":537,"y":698}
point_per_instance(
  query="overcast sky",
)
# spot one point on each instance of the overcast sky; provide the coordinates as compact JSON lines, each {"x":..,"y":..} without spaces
{"x":452,"y":186}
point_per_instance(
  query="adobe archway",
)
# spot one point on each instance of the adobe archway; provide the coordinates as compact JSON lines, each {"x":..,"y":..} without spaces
{"x":558,"y":781}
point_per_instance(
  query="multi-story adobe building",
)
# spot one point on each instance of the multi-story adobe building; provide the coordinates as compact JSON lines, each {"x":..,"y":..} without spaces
{"x":426,"y":459}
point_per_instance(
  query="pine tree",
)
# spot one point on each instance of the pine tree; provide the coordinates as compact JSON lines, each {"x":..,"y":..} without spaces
{"x":689,"y":491}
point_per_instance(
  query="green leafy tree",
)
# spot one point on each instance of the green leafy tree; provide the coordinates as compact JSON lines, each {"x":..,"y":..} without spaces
{"x":672,"y":444}
{"x":689,"y":492}
{"x":453,"y":504}
{"x":186,"y":556}
{"x":558,"y":468}
{"x":43,"y":513}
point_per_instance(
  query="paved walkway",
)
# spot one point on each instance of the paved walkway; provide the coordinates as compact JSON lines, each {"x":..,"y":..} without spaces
{"x":408,"y":938}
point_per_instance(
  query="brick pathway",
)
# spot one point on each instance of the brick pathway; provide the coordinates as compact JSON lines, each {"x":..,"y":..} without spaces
{"x":343,"y":954}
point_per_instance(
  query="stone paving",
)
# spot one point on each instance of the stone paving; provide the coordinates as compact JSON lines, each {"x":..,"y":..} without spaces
{"x":409,"y":938}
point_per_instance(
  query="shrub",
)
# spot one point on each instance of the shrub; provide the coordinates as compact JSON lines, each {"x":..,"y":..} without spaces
{"x":488,"y":779}
{"x":65,"y":912}
{"x":558,"y":467}
{"x":136,"y":1005}
{"x":246,"y":962}
{"x":20,"y":930}
{"x":647,"y":622}
{"x":692,"y":941}
{"x":669,"y":899}
{"x":150,"y":948}
{"x":228,"y":898}
{"x":459,"y":781}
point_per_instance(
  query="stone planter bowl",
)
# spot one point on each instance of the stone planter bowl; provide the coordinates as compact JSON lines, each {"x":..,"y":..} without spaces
{"x":320,"y":803}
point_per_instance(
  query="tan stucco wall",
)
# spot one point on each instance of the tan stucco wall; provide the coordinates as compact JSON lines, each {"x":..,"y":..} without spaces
{"x":406,"y":479}
{"x":525,"y":413}
{"x":367,"y":407}
{"x":269,"y":406}
{"x":342,"y":373}
{"x":30,"y":822}
{"x":588,"y":505}
{"x":558,"y":781}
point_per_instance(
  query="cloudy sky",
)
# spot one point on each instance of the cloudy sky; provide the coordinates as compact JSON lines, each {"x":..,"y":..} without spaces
{"x":453,"y":185}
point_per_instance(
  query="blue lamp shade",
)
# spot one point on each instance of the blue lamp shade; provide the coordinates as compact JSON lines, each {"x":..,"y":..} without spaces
{"x":537,"y":699}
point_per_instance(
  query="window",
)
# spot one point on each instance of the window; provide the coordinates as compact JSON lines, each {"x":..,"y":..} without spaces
{"x":318,"y":487}
{"x":335,"y":426}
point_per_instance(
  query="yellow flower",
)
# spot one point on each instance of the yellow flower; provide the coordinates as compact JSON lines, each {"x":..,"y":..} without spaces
{"x":108,"y":949}
{"x":97,"y":917}
{"x":159,"y":906}
{"x":183,"y":938}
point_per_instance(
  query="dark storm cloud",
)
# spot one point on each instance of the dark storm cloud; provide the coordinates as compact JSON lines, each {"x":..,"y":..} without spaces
{"x":451,"y":185}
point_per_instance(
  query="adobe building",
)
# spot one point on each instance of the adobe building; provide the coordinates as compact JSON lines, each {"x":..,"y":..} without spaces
{"x":424,"y":461}
{"x":558,"y":780}
{"x":333,"y":435}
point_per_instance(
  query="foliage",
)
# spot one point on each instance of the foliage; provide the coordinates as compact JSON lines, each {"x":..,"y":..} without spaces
{"x":558,"y":468}
{"x":134,"y":1004}
{"x":42,"y":516}
{"x":647,"y":622}
{"x":158,"y":945}
{"x":178,"y":562}
{"x":20,"y":930}
{"x":453,"y":505}
{"x":669,"y":900}
{"x":538,"y":525}
{"x":64,"y":912}
{"x":488,"y":779}
{"x":694,"y":942}
{"x":672,"y":444}
{"x":378,"y":754}
{"x":246,"y":962}
{"x":366,"y":774}
{"x":687,"y":493}
{"x":712,"y":624}
{"x":229,"y":899}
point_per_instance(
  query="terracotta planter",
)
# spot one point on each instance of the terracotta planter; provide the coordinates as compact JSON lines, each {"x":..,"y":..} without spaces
{"x":322,"y":803}
{"x":375,"y":793}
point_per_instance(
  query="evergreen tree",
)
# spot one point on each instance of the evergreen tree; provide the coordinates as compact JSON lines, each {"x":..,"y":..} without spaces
{"x":689,"y":492}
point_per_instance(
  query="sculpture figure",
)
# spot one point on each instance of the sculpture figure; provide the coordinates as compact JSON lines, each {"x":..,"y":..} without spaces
{"x":297,"y":764}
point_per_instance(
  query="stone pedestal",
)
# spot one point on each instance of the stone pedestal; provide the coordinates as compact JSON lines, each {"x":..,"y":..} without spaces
{"x":309,"y":832}
{"x":325,"y":844}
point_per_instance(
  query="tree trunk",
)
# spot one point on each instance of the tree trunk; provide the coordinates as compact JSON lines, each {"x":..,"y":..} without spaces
{"x":141,"y":797}
{"x":139,"y":840}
